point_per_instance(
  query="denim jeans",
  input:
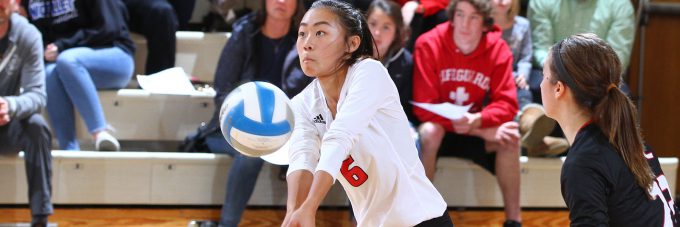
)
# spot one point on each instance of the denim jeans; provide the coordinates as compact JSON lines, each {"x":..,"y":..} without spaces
{"x":240,"y":181}
{"x":524,"y":97}
{"x":73,"y":80}
{"x":157,"y":21}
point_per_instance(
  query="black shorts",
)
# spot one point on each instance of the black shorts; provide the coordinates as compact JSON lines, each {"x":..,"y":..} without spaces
{"x":440,"y":221}
{"x":468,"y":147}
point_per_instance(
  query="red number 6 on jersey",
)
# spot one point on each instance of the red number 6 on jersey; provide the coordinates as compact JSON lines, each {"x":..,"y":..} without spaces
{"x":355,"y":175}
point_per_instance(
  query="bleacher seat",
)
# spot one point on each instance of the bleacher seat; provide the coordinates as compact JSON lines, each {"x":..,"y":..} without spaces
{"x":156,"y":178}
{"x":139,"y":115}
{"x":197,"y":53}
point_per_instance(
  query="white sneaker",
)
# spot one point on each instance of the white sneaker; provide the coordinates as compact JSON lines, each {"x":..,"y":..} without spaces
{"x":106,"y":142}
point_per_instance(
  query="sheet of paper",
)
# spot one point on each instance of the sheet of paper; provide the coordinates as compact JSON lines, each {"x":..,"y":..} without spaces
{"x":172,"y":81}
{"x":447,"y":110}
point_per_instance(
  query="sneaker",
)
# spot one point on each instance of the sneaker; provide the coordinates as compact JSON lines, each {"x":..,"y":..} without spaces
{"x":106,"y":142}
{"x":550,"y":147}
{"x":534,"y":125}
{"x":512,"y":223}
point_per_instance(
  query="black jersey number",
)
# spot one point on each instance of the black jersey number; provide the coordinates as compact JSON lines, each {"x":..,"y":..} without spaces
{"x":661,"y":185}
{"x":355,"y":175}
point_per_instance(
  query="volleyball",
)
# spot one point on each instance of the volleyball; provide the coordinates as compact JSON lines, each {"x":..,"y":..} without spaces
{"x":256,"y":118}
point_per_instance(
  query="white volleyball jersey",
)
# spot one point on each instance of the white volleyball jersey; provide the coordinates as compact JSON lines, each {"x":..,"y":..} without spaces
{"x":369,"y":144}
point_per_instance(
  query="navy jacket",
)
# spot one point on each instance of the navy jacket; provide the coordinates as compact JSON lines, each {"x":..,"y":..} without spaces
{"x":81,"y":23}
{"x":400,"y":67}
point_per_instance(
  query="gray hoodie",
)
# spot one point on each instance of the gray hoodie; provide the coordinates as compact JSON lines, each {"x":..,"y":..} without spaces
{"x":22,"y":79}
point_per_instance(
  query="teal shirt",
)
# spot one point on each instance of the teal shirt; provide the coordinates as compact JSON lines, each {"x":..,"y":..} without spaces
{"x":554,"y":20}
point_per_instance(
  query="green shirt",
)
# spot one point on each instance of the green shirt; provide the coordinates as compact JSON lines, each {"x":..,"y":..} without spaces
{"x":554,"y":20}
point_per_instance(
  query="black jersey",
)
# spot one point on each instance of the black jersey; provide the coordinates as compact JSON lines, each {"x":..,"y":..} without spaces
{"x":600,"y":190}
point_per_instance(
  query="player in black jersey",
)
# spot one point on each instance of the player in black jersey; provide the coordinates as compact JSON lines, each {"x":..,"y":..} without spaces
{"x":608,"y":178}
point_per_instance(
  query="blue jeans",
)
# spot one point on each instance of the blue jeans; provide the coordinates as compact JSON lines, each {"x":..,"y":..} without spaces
{"x":524,"y":97}
{"x":240,"y":182}
{"x":73,"y":80}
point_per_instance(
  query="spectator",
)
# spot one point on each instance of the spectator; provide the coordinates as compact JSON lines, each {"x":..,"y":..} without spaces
{"x":184,"y":9}
{"x":88,"y":48}
{"x":554,"y":20}
{"x":388,"y":30}
{"x":259,"y":49}
{"x":464,"y":61}
{"x":421,"y":16}
{"x":157,"y":21}
{"x":534,"y":125}
{"x":22,"y":96}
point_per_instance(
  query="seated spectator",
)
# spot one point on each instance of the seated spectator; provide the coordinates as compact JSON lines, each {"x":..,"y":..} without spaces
{"x":421,"y":16}
{"x":22,"y":96}
{"x":534,"y":125}
{"x":553,"y":20}
{"x":259,"y":49}
{"x":388,"y":30}
{"x":88,"y":48}
{"x":157,"y":21}
{"x":464,"y":61}
{"x":184,"y":9}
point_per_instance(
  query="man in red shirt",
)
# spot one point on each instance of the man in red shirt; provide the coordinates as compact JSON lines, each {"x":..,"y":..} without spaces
{"x":464,"y":61}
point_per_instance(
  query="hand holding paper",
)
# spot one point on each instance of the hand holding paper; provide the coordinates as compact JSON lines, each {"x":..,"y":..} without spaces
{"x":447,"y":110}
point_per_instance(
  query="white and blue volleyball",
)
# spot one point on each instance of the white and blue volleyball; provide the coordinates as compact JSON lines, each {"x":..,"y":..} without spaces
{"x":256,"y":118}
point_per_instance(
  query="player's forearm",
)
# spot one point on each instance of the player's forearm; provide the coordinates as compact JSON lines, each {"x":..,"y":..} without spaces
{"x":299,"y":183}
{"x":320,"y":187}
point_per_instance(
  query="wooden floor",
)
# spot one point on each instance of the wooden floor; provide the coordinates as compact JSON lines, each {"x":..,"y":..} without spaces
{"x":135,"y":216}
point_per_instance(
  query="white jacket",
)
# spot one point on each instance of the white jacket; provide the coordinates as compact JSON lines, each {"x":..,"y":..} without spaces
{"x":370,"y":144}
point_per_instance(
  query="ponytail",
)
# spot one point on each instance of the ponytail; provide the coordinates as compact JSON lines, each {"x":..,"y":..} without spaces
{"x":616,"y":116}
{"x":584,"y":63}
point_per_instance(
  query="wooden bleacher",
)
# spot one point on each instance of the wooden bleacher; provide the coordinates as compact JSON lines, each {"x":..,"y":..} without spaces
{"x":158,"y":178}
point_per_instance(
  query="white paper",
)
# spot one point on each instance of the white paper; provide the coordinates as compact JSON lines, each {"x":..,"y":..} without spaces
{"x":447,"y":110}
{"x":172,"y":81}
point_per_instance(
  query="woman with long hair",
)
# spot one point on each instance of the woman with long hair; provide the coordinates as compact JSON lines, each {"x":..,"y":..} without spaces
{"x":608,"y":178}
{"x":350,"y":127}
{"x":389,"y":33}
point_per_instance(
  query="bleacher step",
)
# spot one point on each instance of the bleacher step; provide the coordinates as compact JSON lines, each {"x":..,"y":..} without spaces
{"x":160,"y":178}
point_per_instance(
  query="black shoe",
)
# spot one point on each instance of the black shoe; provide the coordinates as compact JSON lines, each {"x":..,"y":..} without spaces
{"x":511,"y":223}
{"x":39,"y":221}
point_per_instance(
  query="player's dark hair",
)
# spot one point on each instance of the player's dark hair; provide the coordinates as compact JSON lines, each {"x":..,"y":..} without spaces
{"x":392,"y":10}
{"x":592,"y":70}
{"x":354,"y":23}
